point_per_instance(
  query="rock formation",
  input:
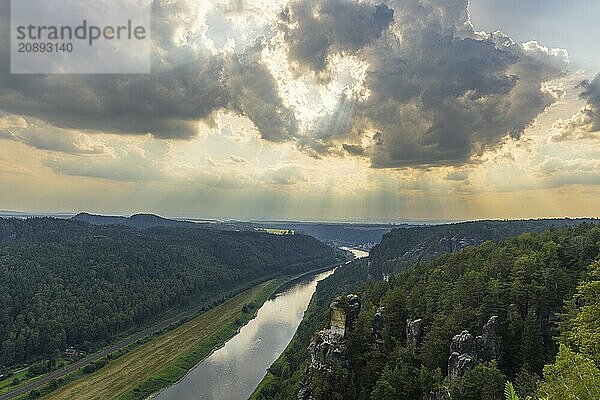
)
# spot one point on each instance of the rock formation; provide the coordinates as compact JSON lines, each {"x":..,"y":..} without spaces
{"x":343,"y":312}
{"x":492,"y":339}
{"x":414,"y":332}
{"x":325,"y":349}
{"x":463,"y":354}
{"x":328,"y":347}
{"x":466,"y":351}
{"x":378,"y":325}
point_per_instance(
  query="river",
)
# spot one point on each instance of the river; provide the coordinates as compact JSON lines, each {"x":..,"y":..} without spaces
{"x":357,"y":253}
{"x":236,"y":369}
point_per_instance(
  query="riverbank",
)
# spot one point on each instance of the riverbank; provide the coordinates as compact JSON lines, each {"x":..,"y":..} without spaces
{"x":233,"y":371}
{"x":167,"y":358}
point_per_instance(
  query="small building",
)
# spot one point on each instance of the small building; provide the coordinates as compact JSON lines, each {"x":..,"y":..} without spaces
{"x":71,"y":353}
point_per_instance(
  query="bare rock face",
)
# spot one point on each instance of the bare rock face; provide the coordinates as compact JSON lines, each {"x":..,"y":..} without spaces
{"x":463,"y":354}
{"x":466,"y":351}
{"x":414,"y":332}
{"x":459,"y":364}
{"x":378,"y":325}
{"x":344,"y":311}
{"x":492,"y":339}
{"x":328,"y":347}
{"x":325,"y":349}
{"x":463,"y":343}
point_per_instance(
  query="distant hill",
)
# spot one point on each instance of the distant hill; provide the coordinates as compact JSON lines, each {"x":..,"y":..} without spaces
{"x":404,"y":247}
{"x":138,"y":221}
{"x":341,"y":234}
{"x":344,"y":234}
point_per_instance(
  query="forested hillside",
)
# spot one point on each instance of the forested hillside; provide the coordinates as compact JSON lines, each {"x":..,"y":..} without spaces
{"x":403,"y":247}
{"x":344,"y":234}
{"x":66,"y":283}
{"x":576,"y":372}
{"x":138,"y":221}
{"x":524,"y":282}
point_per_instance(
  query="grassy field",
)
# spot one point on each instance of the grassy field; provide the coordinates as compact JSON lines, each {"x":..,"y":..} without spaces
{"x":167,"y":358}
{"x":6,"y":383}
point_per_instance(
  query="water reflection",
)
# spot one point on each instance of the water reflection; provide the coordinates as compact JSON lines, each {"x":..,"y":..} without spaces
{"x":357,"y":253}
{"x":234,"y":371}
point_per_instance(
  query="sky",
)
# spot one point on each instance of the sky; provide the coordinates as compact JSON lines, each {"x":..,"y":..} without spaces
{"x":393,"y":110}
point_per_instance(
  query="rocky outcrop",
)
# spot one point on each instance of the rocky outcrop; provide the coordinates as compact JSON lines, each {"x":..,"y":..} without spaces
{"x":414,"y":332}
{"x":328,"y":346}
{"x":344,"y":311}
{"x":492,"y":340}
{"x":466,"y":351}
{"x":378,"y":325}
{"x":463,"y":354}
{"x":325,"y":349}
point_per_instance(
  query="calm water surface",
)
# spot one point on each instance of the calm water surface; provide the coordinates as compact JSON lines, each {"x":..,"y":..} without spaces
{"x":234,"y":371}
{"x":357,"y":253}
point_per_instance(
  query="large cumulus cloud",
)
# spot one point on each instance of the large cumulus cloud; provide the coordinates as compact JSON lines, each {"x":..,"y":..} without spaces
{"x":585,"y":124}
{"x":190,"y":82}
{"x":316,"y":28}
{"x":441,"y":93}
{"x":437,"y":91}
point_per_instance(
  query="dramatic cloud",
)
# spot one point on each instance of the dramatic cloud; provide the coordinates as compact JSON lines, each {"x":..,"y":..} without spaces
{"x":440,"y":93}
{"x":433,"y":92}
{"x":316,"y":29}
{"x":585,"y":124}
{"x":190,"y":82}
{"x":185,"y":86}
{"x":255,"y":94}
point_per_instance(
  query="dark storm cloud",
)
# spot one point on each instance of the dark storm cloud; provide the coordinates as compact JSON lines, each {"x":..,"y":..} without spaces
{"x":316,"y":28}
{"x":255,"y":94}
{"x":591,"y":94}
{"x":440,"y":93}
{"x":447,"y":99}
{"x":188,"y":84}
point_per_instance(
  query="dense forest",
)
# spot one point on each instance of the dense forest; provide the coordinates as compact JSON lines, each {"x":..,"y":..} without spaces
{"x":540,"y":287}
{"x":403,"y":247}
{"x":67,"y":283}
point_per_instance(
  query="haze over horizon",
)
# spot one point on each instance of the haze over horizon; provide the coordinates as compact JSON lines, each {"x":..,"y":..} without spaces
{"x":315,"y":110}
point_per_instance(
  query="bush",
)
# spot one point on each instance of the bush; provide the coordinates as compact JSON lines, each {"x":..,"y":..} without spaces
{"x":484,"y":382}
{"x":88,"y":369}
{"x":38,"y":368}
